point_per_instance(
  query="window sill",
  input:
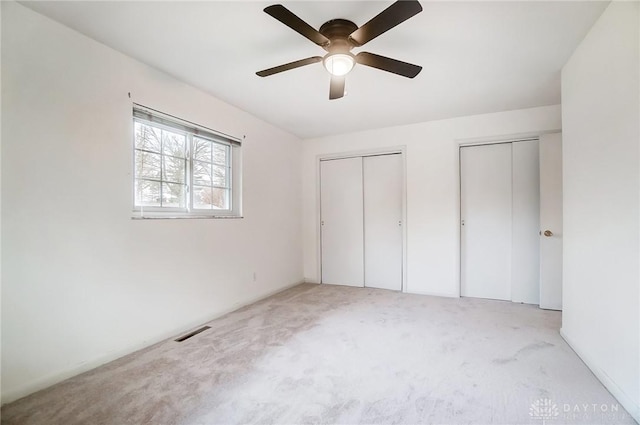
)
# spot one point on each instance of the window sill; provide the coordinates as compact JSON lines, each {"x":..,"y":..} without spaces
{"x":179,"y":217}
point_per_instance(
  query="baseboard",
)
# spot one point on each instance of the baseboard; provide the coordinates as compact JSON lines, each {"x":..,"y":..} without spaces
{"x":627,"y":402}
{"x":432,"y":294}
{"x":57,"y":377}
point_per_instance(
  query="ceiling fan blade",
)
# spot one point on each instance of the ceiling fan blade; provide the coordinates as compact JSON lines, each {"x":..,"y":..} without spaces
{"x":287,"y":17}
{"x":288,"y":66}
{"x":336,"y":90}
{"x":394,"y":15}
{"x":387,"y":64}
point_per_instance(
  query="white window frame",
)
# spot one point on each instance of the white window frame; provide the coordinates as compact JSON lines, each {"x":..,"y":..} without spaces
{"x":233,"y":164}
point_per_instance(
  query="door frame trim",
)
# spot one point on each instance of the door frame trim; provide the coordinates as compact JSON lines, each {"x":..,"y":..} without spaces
{"x":400,"y":149}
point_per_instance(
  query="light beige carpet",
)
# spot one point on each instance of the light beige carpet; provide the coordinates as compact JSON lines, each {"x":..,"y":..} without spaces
{"x":320,"y":354}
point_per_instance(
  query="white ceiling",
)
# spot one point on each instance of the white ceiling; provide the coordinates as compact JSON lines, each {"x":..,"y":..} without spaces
{"x":477,"y":57}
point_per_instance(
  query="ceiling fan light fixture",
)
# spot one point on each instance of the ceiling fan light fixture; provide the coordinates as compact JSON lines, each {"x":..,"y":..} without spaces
{"x":339,"y":36}
{"x":339,"y":64}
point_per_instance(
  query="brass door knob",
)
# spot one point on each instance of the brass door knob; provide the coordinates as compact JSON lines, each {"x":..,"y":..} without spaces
{"x":548,"y":233}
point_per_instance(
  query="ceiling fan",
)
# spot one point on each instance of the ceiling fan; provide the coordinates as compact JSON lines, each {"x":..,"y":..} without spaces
{"x":339,"y":36}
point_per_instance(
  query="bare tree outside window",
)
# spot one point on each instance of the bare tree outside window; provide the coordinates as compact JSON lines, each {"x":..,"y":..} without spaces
{"x":161,"y":166}
{"x":210,"y":175}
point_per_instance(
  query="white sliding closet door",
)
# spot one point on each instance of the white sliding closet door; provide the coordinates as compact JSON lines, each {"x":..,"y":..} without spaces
{"x":342,"y":222}
{"x":485,"y":204}
{"x":500,"y":212}
{"x":383,"y":221}
{"x":525,"y":266}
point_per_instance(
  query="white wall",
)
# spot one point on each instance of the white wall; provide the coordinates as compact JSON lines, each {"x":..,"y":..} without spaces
{"x":601,"y":136}
{"x":83,"y":283}
{"x":432,"y":172}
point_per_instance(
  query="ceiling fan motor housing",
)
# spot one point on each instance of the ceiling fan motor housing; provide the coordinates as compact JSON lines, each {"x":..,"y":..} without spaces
{"x":338,"y":31}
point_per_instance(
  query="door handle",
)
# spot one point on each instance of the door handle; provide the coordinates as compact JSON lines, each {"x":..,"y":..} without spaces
{"x":548,"y":233}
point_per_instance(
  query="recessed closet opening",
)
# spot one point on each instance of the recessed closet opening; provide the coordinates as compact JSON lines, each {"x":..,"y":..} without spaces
{"x":506,"y":201}
{"x":362,"y":220}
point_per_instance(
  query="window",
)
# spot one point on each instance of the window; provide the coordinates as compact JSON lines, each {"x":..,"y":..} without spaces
{"x":181,"y":169}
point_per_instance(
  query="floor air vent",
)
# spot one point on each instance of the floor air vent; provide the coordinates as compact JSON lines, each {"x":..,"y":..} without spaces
{"x":194,"y":333}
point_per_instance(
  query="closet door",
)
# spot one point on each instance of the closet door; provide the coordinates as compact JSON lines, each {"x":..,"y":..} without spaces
{"x":525,"y":265}
{"x":383,"y":221}
{"x":342,"y":236}
{"x":485,"y":206}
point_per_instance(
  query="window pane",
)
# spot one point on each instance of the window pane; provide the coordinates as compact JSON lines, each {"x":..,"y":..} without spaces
{"x":147,"y":165}
{"x":180,"y":166}
{"x":147,"y":193}
{"x":219,"y":176}
{"x":174,"y":169}
{"x":173,"y":195}
{"x":210,"y":198}
{"x":220,"y":153}
{"x":202,"y":173}
{"x":202,"y":149}
{"x":174,"y":143}
{"x":147,"y":137}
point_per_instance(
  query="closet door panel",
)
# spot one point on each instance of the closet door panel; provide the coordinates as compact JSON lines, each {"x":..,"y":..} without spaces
{"x":342,"y":221}
{"x":382,"y":221}
{"x":485,"y":204}
{"x":525,"y":266}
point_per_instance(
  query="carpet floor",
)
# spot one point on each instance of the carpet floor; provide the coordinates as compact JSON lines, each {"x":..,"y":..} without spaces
{"x":321,"y":354}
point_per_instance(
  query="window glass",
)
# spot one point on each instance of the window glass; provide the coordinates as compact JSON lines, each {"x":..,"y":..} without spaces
{"x":177,"y":170}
